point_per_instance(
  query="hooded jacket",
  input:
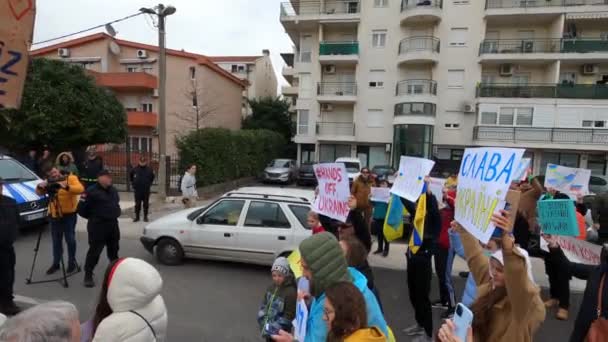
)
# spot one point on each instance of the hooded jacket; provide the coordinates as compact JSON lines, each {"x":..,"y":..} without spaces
{"x":326,"y":262}
{"x":372,"y":334}
{"x":70,"y":167}
{"x":279,"y":305}
{"x":139,"y":312}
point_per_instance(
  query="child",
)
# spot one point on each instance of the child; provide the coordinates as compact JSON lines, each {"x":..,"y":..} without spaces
{"x":314,"y":223}
{"x":278,"y":308}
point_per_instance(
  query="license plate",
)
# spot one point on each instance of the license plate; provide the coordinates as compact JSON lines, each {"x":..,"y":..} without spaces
{"x":36,"y":216}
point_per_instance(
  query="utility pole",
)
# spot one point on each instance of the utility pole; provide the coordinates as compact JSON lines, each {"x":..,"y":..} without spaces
{"x":161,"y":12}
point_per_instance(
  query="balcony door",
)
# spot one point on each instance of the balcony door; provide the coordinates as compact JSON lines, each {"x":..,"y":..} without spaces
{"x":347,"y":83}
{"x":306,"y":49}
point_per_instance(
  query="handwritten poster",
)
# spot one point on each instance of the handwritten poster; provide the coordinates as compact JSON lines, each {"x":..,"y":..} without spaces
{"x":557,"y":217}
{"x":483,"y":181}
{"x":523,"y":170}
{"x":16,"y":29}
{"x":410,"y":177}
{"x":301,"y":320}
{"x":577,"y":250}
{"x":436,"y":185}
{"x":571,"y":181}
{"x":380,"y":194}
{"x":334,"y":192}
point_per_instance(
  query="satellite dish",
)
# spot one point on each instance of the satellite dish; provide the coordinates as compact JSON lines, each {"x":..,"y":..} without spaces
{"x":111,"y":31}
{"x":114,"y":48}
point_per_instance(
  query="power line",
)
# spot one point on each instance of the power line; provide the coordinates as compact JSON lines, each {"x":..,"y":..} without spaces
{"x":89,"y":29}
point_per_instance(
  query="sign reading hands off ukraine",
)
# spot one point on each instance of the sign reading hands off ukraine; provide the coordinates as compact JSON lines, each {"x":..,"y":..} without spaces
{"x":332,"y":200}
{"x":483,"y":181}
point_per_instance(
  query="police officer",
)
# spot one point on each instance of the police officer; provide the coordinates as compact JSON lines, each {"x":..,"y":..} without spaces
{"x":141,"y":178}
{"x":9,"y":221}
{"x":90,"y":168}
{"x":100,"y":205}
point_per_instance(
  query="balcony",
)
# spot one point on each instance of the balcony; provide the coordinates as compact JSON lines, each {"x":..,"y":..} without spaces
{"x":414,"y":50}
{"x":542,"y":135}
{"x":337,"y":92}
{"x":531,"y":49}
{"x":288,"y":73}
{"x":415,"y":12}
{"x":540,"y":7}
{"x":551,"y":91}
{"x":289,"y":90}
{"x":309,"y":12}
{"x":126,"y":80}
{"x":339,"y":52}
{"x":142,"y":119}
{"x":344,"y":131}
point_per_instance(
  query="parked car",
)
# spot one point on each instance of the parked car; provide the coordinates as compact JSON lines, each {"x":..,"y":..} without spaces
{"x":280,"y":171}
{"x":251,"y":225}
{"x":353,"y":167}
{"x":597,"y":184}
{"x":385,"y":171}
{"x":306,"y":175}
{"x":20,"y":184}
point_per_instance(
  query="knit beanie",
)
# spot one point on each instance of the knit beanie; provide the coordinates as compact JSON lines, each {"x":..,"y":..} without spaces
{"x":326,"y":261}
{"x":281,"y":265}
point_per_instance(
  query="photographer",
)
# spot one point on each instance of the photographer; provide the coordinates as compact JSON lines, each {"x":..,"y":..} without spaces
{"x":63,"y":190}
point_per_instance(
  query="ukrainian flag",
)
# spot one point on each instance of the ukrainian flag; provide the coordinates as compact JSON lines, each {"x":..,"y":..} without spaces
{"x":393,"y":223}
{"x":418,"y":231}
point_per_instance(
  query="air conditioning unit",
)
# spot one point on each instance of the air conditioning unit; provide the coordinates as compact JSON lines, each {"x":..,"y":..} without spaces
{"x":468,"y":108}
{"x":329,"y":69}
{"x":528,"y":46}
{"x":506,"y":69}
{"x":327,"y":107}
{"x":590,"y":69}
{"x":155,"y":93}
{"x":142,"y":54}
{"x":63,"y":52}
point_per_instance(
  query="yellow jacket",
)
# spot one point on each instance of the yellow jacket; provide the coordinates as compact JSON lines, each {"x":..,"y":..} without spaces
{"x":67,"y":199}
{"x":372,"y":334}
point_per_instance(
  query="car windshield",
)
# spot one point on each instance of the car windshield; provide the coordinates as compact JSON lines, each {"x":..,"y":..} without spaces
{"x":193,"y":215}
{"x":306,"y":167}
{"x":279,"y":163}
{"x":351,"y":167}
{"x":382,"y":169}
{"x":13,"y":172}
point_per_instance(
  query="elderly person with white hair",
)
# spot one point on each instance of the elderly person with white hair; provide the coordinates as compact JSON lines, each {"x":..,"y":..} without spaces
{"x":49,"y":322}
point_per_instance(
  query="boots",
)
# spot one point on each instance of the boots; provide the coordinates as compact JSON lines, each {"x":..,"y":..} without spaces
{"x":136,"y":219}
{"x":88,"y":280}
{"x":146,"y":215}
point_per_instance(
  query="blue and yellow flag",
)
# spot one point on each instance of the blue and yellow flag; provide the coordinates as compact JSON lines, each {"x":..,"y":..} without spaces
{"x":418,"y":231}
{"x":393,"y":222}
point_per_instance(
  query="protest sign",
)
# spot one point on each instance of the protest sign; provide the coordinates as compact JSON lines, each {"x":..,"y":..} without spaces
{"x":332,"y":200}
{"x":380,"y":194}
{"x":523,"y":169}
{"x":557,"y":217}
{"x":577,"y":250}
{"x":16,"y":29}
{"x":436,"y":185}
{"x":300,"y":321}
{"x":571,"y":181}
{"x":410,"y":177}
{"x":483,"y":181}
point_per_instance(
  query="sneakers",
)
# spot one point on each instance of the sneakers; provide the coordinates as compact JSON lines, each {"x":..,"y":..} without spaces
{"x":71,"y":267}
{"x":414,"y":330}
{"x":438,"y":304}
{"x":551,"y":303}
{"x":9,"y":309}
{"x":52,"y":269}
{"x":562,"y":314}
{"x":88,"y":280}
{"x":146,"y":219}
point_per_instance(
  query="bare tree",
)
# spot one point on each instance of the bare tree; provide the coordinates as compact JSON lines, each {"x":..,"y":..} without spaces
{"x":206,"y":103}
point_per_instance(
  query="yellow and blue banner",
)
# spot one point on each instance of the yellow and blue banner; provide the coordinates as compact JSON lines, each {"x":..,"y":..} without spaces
{"x":418,"y":232}
{"x":393,"y":223}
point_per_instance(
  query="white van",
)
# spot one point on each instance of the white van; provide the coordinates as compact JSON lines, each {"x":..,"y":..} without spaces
{"x":353,"y":167}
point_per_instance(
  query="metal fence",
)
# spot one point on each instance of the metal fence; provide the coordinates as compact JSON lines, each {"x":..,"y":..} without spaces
{"x":416,"y":87}
{"x":413,"y":44}
{"x":337,"y":88}
{"x":554,"y":91}
{"x":588,"y":136}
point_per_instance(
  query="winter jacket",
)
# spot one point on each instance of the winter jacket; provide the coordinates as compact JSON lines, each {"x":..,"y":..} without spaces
{"x":90,"y":169}
{"x":432,"y":221}
{"x":599,"y":212}
{"x":188,"y":186}
{"x":517,"y":316}
{"x":380,"y":209}
{"x":70,"y":167}
{"x":279,"y":306}
{"x":588,"y":309}
{"x":9,"y":220}
{"x":138,"y":310}
{"x":141,"y":178}
{"x":372,"y":334}
{"x":361,"y":189}
{"x":67,"y":199}
{"x":324,"y":257}
{"x":99,"y":204}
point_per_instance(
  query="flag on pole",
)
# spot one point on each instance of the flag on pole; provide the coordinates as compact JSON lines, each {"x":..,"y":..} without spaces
{"x":418,"y":232}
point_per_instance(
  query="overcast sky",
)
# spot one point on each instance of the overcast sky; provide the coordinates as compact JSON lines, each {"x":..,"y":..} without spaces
{"x":210,"y":27}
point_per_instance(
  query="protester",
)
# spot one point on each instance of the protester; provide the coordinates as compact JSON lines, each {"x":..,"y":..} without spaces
{"x":356,"y":257}
{"x":100,"y":205}
{"x":63,"y":191}
{"x":361,"y":189}
{"x":45,"y":162}
{"x":278,"y":308}
{"x":91,"y":168}
{"x":356,"y":226}
{"x":130,"y":306}
{"x":142,"y":177}
{"x":312,"y":219}
{"x":51,"y":321}
{"x":419,"y":268}
{"x":323,"y":264}
{"x":188,"y":187}
{"x":447,"y":333}
{"x":530,"y":193}
{"x":30,"y":161}
{"x":379,"y":214}
{"x":508,"y":306}
{"x":600,"y":216}
{"x":443,"y":249}
{"x":452,"y":181}
{"x":65,"y":163}
{"x":9,"y":226}
{"x":346,"y":317}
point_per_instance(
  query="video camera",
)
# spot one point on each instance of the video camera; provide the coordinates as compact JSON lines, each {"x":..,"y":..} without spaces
{"x":53,"y":185}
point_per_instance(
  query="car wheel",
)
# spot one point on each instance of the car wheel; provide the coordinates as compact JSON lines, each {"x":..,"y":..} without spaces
{"x":169,"y":252}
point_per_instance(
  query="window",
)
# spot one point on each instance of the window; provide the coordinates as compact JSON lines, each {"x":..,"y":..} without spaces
{"x":604,"y":35}
{"x":597,"y":164}
{"x":147,"y":69}
{"x":301,"y":213}
{"x":452,"y":125}
{"x":506,"y":116}
{"x":374,"y":118}
{"x":131,"y":69}
{"x":455,"y":78}
{"x":378,"y":84}
{"x":524,"y":116}
{"x":488,"y":118}
{"x":192,"y":72}
{"x":520,"y":79}
{"x":458,"y":36}
{"x":131,"y":109}
{"x":488,"y":78}
{"x":593,"y":124}
{"x":415,"y":108}
{"x":241,"y":68}
{"x":330,"y":152}
{"x":303,"y":122}
{"x":266,"y":214}
{"x":146,"y":107}
{"x":379,"y":38}
{"x":380,"y":3}
{"x":141,"y":144}
{"x":225,"y":213}
{"x":234,"y":68}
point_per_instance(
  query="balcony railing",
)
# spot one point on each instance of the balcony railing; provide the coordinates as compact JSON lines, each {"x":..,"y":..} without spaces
{"x":142,"y":119}
{"x":416,"y":87}
{"x":337,"y":88}
{"x":540,"y":3}
{"x":552,"y":91}
{"x":338,"y":48}
{"x":589,"y":136}
{"x":416,"y":4}
{"x":126,"y":80}
{"x":336,"y":128}
{"x":415,"y":108}
{"x":565,"y":45}
{"x":416,"y":44}
{"x":293,"y":9}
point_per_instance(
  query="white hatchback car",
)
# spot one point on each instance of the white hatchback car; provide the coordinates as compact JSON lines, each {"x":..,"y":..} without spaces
{"x":253,"y":225}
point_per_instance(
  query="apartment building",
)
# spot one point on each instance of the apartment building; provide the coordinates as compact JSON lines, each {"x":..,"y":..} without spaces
{"x":257,"y":71}
{"x":196,"y":87}
{"x":377,"y":79}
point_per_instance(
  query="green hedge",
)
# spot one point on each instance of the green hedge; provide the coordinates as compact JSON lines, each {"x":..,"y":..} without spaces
{"x":222,"y":155}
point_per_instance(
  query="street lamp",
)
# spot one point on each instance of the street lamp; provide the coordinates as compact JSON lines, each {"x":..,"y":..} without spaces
{"x":161,"y":12}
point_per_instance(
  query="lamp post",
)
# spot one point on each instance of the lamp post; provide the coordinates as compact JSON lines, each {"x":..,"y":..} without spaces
{"x":161,"y":12}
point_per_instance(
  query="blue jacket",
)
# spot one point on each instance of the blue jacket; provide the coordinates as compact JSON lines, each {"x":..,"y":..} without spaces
{"x":380,"y":209}
{"x":470,"y":289}
{"x":316,"y":328}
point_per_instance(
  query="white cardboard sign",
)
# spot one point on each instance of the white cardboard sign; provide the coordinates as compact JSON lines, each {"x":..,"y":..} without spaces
{"x":410,"y":177}
{"x":436,"y":185}
{"x":300,"y":321}
{"x":334,"y":192}
{"x":569,"y":180}
{"x":380,"y":194}
{"x":576,"y":250}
